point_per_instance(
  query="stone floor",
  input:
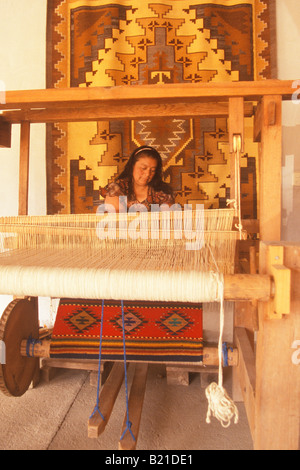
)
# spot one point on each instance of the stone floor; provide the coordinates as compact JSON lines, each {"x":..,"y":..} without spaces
{"x":54,"y":416}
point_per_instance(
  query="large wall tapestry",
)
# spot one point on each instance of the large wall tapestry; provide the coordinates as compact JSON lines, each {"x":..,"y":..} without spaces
{"x":128,"y":42}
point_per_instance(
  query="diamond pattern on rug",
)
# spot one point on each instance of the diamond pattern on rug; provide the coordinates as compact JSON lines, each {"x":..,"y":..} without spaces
{"x":133,"y":321}
{"x":82,"y":320}
{"x":175,"y":322}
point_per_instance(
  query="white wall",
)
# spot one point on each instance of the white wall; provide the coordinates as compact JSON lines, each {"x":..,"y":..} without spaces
{"x":22,"y":67}
{"x":288,"y":39}
{"x":288,"y":47}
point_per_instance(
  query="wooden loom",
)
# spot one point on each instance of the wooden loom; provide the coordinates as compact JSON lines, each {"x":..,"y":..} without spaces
{"x":266,"y":298}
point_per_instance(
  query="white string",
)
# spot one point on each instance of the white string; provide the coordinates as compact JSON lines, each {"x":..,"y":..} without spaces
{"x":220,"y":405}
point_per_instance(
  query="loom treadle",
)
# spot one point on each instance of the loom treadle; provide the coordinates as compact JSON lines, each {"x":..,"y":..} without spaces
{"x":135,"y":405}
{"x":107,"y":398}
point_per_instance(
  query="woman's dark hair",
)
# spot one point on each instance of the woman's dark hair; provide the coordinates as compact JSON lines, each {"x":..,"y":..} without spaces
{"x":157,"y":182}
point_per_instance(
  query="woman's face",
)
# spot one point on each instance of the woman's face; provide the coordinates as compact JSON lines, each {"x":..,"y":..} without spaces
{"x":144,"y":170}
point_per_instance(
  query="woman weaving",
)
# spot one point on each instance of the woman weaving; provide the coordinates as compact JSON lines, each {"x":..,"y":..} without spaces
{"x":141,"y":181}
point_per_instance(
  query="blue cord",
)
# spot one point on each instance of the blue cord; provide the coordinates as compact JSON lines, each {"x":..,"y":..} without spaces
{"x":31,"y":343}
{"x":225,"y":355}
{"x":128,"y":423}
{"x":96,"y":409}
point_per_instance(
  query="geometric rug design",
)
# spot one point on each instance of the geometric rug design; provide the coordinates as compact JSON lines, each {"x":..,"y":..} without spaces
{"x":174,"y":322}
{"x":164,"y":331}
{"x":82,"y":320}
{"x":133,"y":321}
{"x":99,"y":43}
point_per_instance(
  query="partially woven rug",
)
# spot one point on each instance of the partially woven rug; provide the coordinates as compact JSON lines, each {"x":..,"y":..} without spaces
{"x":153,"y":331}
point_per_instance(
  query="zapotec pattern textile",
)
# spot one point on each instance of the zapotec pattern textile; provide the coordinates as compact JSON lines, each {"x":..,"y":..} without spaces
{"x":153,"y":332}
{"x":128,"y":42}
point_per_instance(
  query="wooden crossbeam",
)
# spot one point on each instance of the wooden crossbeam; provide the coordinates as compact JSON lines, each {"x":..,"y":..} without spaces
{"x":42,"y":350}
{"x":116,"y":111}
{"x":86,"y":97}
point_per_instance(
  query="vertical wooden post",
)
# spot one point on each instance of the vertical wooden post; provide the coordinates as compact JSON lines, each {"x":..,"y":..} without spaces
{"x":5,"y":133}
{"x":236,"y":127}
{"x":270,"y":169}
{"x":24,"y":168}
{"x":277,"y":396}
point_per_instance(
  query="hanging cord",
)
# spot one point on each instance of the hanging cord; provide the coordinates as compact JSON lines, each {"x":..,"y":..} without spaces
{"x":97,"y":409}
{"x":220,"y":405}
{"x":237,"y":145}
{"x":128,"y":423}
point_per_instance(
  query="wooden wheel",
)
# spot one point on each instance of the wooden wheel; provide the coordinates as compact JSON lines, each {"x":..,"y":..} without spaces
{"x":19,"y":321}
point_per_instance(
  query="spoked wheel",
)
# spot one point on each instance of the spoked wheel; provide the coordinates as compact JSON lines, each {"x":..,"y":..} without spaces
{"x":19,"y":321}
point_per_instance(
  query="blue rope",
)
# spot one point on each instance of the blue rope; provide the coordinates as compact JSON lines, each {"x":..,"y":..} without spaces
{"x":128,"y":423}
{"x":97,"y":409}
{"x":225,"y":354}
{"x":31,"y":342}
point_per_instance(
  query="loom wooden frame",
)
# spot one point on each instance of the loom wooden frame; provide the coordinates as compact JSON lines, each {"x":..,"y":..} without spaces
{"x":264,"y":375}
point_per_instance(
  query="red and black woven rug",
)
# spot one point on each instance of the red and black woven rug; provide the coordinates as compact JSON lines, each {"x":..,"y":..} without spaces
{"x":153,"y":331}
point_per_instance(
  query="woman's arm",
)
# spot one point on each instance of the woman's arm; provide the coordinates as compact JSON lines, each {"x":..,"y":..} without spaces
{"x":114,"y":201}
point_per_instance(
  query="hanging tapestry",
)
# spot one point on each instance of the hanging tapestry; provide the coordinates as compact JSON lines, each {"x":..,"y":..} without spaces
{"x":153,"y":331}
{"x":98,"y":43}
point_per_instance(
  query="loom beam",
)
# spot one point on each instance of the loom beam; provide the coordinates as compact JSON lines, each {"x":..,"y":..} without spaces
{"x":237,"y":287}
{"x":248,"y":287}
{"x":210,"y":353}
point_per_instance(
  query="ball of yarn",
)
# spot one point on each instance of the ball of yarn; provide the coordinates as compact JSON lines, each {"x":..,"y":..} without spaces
{"x":220,"y":405}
